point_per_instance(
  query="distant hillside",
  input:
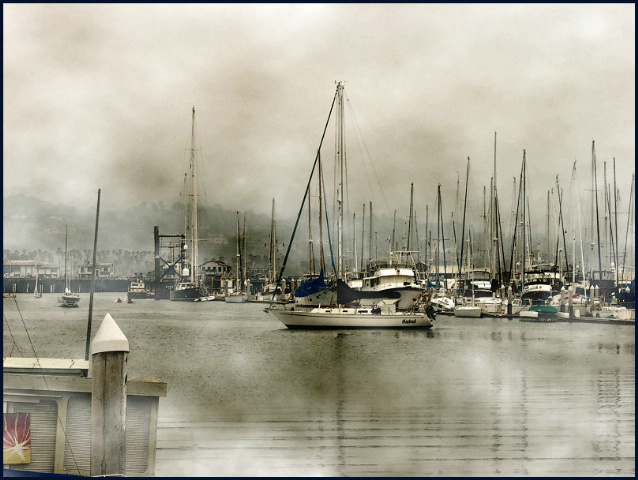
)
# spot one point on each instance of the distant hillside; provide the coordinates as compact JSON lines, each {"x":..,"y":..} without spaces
{"x":33,"y":227}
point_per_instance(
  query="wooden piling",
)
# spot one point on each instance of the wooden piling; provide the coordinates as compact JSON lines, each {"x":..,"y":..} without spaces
{"x":108,"y":401}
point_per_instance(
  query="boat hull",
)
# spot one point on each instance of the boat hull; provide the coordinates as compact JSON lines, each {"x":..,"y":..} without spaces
{"x":185,"y":295}
{"x":242,"y":298}
{"x":69,"y":300}
{"x":467,"y":311}
{"x":138,"y":295}
{"x":348,"y":318}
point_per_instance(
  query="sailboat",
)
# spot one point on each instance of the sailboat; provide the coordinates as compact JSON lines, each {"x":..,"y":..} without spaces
{"x":188,"y":287}
{"x":238,"y":295}
{"x":342,"y":314}
{"x":270,"y":292}
{"x":37,"y":291}
{"x":68,"y":298}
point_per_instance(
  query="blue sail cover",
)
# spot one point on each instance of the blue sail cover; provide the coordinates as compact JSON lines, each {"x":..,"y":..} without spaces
{"x":311,"y":286}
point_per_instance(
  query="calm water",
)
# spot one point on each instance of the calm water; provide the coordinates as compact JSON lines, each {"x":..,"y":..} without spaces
{"x":471,"y":397}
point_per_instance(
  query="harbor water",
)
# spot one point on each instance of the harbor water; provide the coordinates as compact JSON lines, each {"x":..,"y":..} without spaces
{"x":470,"y":397}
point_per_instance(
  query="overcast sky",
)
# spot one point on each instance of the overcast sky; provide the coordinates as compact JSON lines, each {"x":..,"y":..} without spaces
{"x":100,"y":96}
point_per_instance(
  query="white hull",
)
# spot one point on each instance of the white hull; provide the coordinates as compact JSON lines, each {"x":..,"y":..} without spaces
{"x":614,"y":312}
{"x":69,"y":300}
{"x":236,"y":298}
{"x":467,"y":311}
{"x":349,"y":318}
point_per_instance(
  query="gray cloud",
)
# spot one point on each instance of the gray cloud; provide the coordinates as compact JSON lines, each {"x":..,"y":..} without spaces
{"x":100,"y":96}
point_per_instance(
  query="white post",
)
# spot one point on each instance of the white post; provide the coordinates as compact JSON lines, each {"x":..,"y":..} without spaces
{"x":108,"y":401}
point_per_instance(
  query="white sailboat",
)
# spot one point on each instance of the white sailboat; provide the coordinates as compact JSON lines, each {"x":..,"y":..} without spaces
{"x":342,"y":315}
{"x":188,"y":288}
{"x":37,"y":291}
{"x":270,"y":292}
{"x":68,"y":298}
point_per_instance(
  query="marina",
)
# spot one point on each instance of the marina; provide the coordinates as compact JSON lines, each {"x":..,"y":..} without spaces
{"x":447,"y":284}
{"x":468,"y":397}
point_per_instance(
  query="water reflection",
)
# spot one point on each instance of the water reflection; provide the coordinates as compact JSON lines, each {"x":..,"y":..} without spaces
{"x":247,"y":397}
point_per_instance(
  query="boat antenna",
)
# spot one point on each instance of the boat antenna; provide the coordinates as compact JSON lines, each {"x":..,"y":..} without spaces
{"x":88,"y":329}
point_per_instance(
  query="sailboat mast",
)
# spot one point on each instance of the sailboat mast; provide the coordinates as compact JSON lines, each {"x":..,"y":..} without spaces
{"x":411,"y":214}
{"x":244,"y":256}
{"x":629,"y":218}
{"x":193,"y":201}
{"x":593,"y":155}
{"x":370,"y":253}
{"x":273,"y":246}
{"x":66,"y":238}
{"x":617,"y":255}
{"x":522,"y":185}
{"x":90,"y":320}
{"x":237,"y":258}
{"x":580,"y":230}
{"x":340,"y":164}
{"x":494,"y":248}
{"x":363,"y":236}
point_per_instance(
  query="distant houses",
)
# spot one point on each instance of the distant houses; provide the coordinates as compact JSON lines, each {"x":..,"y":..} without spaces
{"x":29,"y":269}
{"x":36,"y":268}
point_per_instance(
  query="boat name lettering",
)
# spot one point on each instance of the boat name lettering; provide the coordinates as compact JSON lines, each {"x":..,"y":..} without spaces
{"x":408,"y":321}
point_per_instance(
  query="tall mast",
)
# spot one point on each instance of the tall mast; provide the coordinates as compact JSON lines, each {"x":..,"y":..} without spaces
{"x":522,"y":186}
{"x":273,"y":246}
{"x":244,"y":256}
{"x":340,"y":166}
{"x":411,"y":213}
{"x":617,"y":256}
{"x":66,"y":237}
{"x":237,"y":258}
{"x":363,"y":236}
{"x":193,"y":201}
{"x":370,"y":253}
{"x":600,"y":266}
{"x":580,"y":230}
{"x":311,"y":255}
{"x":442,"y":238}
{"x":494,"y":240}
{"x":630,"y":219}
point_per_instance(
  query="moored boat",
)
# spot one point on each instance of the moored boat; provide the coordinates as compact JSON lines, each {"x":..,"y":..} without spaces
{"x":68,"y":298}
{"x":137,"y":289}
{"x":346,"y":312}
{"x":189,"y":286}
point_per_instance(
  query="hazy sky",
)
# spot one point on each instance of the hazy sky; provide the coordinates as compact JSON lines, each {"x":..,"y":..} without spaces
{"x":100,"y":96}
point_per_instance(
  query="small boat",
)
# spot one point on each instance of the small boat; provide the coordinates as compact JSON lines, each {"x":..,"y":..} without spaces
{"x":68,"y":298}
{"x":206,"y":298}
{"x":37,"y":291}
{"x":544,"y":309}
{"x":442,"y":303}
{"x":137,"y":289}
